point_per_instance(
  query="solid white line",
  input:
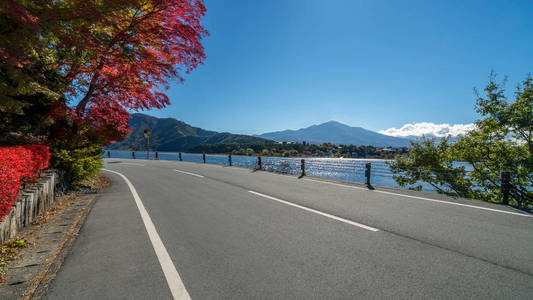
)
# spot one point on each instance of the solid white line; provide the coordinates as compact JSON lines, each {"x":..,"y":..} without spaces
{"x":425,"y":199}
{"x":177,"y":288}
{"x":317,"y":212}
{"x":133,"y":164}
{"x":189,"y":173}
{"x":338,"y":184}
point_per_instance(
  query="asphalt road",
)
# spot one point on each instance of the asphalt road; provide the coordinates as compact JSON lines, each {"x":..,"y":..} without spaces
{"x":232,"y":233}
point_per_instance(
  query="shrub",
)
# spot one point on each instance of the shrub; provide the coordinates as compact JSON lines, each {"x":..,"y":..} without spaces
{"x":19,"y":164}
{"x":80,"y":163}
{"x":78,"y":153}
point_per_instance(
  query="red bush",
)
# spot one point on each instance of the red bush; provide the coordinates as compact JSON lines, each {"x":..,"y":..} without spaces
{"x":17,"y":165}
{"x":40,"y":157}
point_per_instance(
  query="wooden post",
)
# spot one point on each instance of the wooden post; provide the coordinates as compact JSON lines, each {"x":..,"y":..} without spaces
{"x":229,"y":160}
{"x":108,"y":154}
{"x":156,"y":155}
{"x":133,"y":154}
{"x":203,"y":157}
{"x":303,"y":167}
{"x":148,"y":148}
{"x":179,"y":157}
{"x":259,"y":163}
{"x":367,"y":173}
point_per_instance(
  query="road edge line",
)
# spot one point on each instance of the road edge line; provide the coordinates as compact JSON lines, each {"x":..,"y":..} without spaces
{"x":423,"y":198}
{"x":175,"y":284}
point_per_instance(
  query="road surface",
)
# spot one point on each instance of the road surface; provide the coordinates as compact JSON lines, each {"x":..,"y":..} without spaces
{"x":167,"y":229}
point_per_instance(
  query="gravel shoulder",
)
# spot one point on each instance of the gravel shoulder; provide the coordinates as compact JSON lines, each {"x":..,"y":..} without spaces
{"x":49,"y":240}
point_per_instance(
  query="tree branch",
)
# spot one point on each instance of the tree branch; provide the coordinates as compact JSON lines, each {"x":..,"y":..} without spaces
{"x":82,"y":105}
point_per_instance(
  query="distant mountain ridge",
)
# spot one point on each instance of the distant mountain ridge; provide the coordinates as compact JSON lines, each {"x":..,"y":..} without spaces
{"x":169,"y":134}
{"x":336,"y":133}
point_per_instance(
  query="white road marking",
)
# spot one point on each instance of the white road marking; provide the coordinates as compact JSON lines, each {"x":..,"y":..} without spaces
{"x":317,"y":212}
{"x":177,"y":288}
{"x":133,"y":164}
{"x":188,"y":173}
{"x":425,"y":199}
{"x":338,"y":184}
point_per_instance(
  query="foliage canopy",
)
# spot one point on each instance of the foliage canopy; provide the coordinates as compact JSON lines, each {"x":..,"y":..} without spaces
{"x":501,"y":141}
{"x":107,"y":56}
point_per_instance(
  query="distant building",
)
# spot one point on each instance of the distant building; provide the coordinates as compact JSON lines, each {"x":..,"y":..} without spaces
{"x":387,"y":150}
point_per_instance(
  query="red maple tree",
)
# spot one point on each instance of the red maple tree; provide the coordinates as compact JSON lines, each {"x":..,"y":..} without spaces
{"x":115,"y":54}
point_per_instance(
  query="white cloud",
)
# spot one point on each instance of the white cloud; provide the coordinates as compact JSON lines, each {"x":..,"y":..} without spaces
{"x":428,"y":129}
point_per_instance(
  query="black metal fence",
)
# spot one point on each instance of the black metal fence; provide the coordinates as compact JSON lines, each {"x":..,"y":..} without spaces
{"x":357,"y":170}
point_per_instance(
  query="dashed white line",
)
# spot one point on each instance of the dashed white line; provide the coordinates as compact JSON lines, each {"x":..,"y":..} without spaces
{"x":423,"y":198}
{"x":177,"y":288}
{"x":188,"y":173}
{"x":317,"y":212}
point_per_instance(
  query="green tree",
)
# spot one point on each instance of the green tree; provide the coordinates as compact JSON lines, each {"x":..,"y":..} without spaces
{"x":432,"y":163}
{"x":501,"y":141}
{"x":250,"y":151}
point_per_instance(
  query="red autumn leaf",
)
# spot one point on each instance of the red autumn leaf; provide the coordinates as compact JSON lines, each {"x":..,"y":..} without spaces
{"x":117,"y":55}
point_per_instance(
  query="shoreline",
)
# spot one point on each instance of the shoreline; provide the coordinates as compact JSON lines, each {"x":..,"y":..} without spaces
{"x":255,"y":155}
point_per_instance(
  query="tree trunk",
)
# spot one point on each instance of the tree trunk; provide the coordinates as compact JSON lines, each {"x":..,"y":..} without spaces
{"x":80,"y":108}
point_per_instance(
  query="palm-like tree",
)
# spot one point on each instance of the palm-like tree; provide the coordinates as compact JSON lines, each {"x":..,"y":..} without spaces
{"x":147,"y":136}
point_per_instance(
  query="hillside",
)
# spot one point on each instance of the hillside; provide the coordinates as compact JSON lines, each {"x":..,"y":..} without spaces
{"x":336,"y":133}
{"x":172,"y":135}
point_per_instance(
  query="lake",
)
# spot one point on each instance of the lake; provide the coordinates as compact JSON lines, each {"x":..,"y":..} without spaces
{"x":349,"y":169}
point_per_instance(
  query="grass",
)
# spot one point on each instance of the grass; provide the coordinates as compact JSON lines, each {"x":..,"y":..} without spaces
{"x":8,"y":252}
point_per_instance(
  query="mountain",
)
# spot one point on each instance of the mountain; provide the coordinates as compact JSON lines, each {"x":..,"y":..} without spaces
{"x":172,"y":135}
{"x":336,"y":133}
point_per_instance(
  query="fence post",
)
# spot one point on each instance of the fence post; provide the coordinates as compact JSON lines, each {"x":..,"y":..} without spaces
{"x":259,"y":163}
{"x":108,"y":154}
{"x":179,"y":157}
{"x":505,"y":177}
{"x":133,"y":154}
{"x":367,"y":173}
{"x":203,"y":157}
{"x":156,"y":155}
{"x":229,"y":159}
{"x":303,"y":167}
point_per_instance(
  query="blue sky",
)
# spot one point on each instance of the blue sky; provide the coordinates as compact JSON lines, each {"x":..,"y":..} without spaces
{"x":287,"y":64}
